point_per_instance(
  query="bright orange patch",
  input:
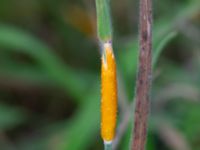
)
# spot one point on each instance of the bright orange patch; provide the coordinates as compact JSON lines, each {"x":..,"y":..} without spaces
{"x":108,"y":94}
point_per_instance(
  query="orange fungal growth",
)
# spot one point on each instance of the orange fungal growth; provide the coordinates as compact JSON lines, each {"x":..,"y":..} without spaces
{"x":108,"y":94}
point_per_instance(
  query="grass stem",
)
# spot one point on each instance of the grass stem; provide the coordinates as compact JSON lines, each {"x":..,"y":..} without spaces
{"x":108,"y":74}
{"x":144,"y":77}
{"x":107,"y":145}
{"x":104,"y":27}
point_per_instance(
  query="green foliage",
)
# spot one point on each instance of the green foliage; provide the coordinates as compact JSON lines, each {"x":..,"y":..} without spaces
{"x":15,"y":40}
{"x":11,"y":117}
{"x":79,"y":128}
{"x":81,"y":131}
{"x":161,"y":46}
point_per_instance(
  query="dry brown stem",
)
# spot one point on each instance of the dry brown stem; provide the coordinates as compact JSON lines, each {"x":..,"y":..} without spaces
{"x":144,"y":77}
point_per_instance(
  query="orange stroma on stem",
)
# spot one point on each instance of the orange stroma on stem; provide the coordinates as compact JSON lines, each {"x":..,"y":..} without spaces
{"x":108,"y":94}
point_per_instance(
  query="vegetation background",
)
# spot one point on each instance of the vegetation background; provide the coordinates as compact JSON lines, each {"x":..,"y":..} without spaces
{"x":50,"y":66}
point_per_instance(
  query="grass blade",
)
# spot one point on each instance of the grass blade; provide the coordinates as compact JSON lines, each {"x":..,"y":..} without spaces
{"x":158,"y":49}
{"x":15,"y":40}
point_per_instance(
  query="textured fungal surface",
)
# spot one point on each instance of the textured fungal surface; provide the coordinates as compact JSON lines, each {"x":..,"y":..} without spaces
{"x":109,"y":94}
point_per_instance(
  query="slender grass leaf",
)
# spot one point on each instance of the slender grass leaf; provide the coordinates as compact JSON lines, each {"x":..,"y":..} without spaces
{"x":161,"y":46}
{"x":25,"y":74}
{"x":10,"y":116}
{"x":82,"y":128}
{"x":16,"y":40}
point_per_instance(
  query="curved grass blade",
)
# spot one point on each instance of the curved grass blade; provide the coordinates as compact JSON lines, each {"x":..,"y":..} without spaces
{"x":15,"y":40}
{"x":158,"y":49}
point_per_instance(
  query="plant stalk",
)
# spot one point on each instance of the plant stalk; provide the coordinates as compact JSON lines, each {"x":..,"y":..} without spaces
{"x":108,"y":146}
{"x":144,"y":77}
{"x":108,"y":74}
{"x":104,"y":26}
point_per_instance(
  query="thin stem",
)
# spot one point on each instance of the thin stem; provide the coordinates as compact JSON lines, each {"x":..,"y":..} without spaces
{"x":104,"y":27}
{"x":108,"y":74}
{"x":108,"y":146}
{"x":144,"y":77}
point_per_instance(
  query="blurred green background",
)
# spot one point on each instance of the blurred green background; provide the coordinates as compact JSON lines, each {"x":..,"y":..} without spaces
{"x":50,"y":82}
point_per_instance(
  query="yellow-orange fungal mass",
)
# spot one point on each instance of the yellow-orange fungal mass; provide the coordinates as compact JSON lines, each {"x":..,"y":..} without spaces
{"x":108,"y":94}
